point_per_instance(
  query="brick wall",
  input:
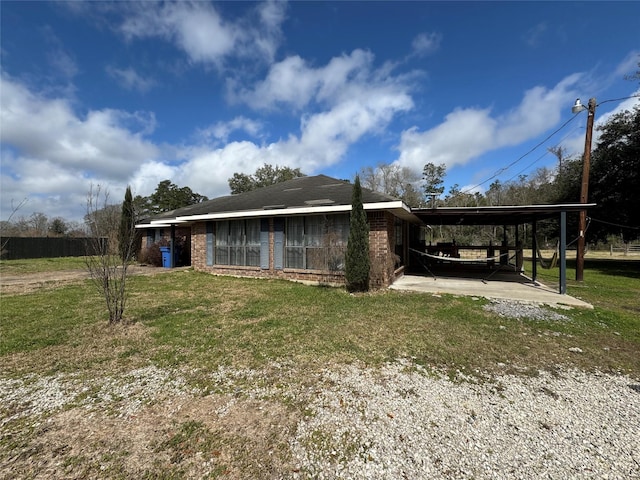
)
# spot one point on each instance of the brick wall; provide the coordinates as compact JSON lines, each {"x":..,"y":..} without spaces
{"x":381,"y":247}
{"x":199,"y":262}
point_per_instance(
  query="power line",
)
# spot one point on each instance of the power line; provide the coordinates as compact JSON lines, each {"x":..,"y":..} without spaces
{"x":618,"y":99}
{"x":615,"y":224}
{"x":504,"y":169}
{"x":543,"y":155}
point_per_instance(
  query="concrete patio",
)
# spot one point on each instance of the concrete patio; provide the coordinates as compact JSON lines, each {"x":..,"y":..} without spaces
{"x":502,"y":285}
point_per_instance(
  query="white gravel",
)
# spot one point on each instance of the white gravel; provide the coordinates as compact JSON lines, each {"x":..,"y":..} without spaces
{"x":400,"y":421}
{"x":523,"y":310}
{"x":35,"y":395}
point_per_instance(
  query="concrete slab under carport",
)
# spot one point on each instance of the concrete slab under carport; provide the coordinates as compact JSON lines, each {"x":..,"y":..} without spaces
{"x":510,"y":286}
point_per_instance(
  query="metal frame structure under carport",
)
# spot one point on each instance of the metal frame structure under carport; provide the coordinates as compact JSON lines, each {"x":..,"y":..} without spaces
{"x":515,"y":215}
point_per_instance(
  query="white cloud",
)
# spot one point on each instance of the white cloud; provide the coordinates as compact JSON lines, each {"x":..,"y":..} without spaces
{"x":51,"y":152}
{"x":467,"y":133}
{"x":426,"y":43}
{"x":324,"y":139}
{"x":535,"y":34}
{"x":292,"y":83}
{"x":60,"y":61}
{"x":222,"y":130}
{"x":200,"y":31}
{"x":129,"y":79}
{"x":629,"y":65}
{"x":109,"y":146}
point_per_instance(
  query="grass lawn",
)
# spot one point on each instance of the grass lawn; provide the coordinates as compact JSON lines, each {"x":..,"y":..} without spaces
{"x":41,"y":265}
{"x":198,"y":324}
{"x":198,"y":320}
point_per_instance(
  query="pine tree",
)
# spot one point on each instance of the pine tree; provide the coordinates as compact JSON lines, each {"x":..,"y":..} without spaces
{"x":357,"y":263}
{"x":126,"y":233}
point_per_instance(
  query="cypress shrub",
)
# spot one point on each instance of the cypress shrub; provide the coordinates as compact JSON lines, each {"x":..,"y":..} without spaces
{"x":126,"y":233}
{"x":357,"y":263}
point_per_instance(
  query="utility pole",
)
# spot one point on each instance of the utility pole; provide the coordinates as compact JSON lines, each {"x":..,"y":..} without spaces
{"x":584,"y":190}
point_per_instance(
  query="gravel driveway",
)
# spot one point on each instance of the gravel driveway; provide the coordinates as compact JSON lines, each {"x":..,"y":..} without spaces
{"x":397,"y":421}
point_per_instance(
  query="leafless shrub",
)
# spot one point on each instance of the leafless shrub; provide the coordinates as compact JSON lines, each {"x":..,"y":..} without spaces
{"x":106,"y":266}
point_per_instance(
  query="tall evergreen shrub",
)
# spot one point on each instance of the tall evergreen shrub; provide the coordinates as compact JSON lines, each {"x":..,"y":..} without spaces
{"x":357,"y":263}
{"x":126,"y":234}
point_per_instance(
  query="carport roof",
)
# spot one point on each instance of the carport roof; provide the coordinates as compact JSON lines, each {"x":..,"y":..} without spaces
{"x":496,"y":215}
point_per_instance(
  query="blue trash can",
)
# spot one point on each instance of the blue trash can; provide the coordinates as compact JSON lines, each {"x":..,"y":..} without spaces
{"x":166,"y":257}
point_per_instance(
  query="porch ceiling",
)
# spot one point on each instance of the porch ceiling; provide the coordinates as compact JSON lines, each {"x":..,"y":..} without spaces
{"x":498,"y":215}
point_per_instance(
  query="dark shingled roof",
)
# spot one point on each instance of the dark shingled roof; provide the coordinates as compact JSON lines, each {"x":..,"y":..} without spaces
{"x":301,"y":192}
{"x":322,"y":191}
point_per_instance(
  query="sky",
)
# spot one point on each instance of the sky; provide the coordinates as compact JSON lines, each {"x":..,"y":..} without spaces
{"x":128,"y":93}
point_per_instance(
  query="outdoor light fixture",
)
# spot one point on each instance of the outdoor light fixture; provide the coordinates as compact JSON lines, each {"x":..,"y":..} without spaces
{"x":584,"y":189}
{"x":578,"y":107}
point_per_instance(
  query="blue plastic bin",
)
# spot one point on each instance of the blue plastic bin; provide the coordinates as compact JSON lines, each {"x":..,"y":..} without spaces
{"x":166,"y":257}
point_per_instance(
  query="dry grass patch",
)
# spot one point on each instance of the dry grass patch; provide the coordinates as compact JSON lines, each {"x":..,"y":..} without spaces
{"x":218,"y":435}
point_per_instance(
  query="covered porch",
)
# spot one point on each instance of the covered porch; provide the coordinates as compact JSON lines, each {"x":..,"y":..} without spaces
{"x":444,"y":260}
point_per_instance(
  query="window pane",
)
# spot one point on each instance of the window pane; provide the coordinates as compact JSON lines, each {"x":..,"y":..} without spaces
{"x":222,"y":255}
{"x":222,"y":234}
{"x":236,"y":234}
{"x":335,"y":258}
{"x":253,"y":256}
{"x":295,"y":231}
{"x":341,"y":226}
{"x":237,"y":256}
{"x":253,"y":232}
{"x":316,"y":258}
{"x":293,"y":257}
{"x":314,"y":231}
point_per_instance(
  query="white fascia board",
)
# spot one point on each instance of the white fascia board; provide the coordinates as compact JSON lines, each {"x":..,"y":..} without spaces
{"x":276,"y":212}
{"x":514,"y":207}
{"x":267,"y":213}
{"x":155,"y":225}
{"x":386,"y":206}
{"x":166,"y":222}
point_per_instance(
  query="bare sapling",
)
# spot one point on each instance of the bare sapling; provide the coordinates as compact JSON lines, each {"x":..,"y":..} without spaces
{"x":110,"y":249}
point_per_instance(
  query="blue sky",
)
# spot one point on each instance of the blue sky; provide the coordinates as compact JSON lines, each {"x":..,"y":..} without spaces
{"x":131,"y":93}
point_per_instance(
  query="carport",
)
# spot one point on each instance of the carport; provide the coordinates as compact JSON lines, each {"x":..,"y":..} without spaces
{"x":505,"y":216}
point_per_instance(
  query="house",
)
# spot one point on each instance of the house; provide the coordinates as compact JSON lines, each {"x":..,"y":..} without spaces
{"x":294,"y":230}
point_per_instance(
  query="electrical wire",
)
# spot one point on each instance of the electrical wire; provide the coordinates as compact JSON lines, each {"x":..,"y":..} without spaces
{"x":617,"y":99}
{"x":615,"y":224}
{"x":504,"y":169}
{"x":543,"y":155}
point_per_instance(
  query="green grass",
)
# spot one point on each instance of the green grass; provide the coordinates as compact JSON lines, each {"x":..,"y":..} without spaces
{"x":40,"y":265}
{"x":192,"y":319}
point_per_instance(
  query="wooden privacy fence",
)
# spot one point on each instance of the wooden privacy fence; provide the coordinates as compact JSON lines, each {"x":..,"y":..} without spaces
{"x":15,"y":248}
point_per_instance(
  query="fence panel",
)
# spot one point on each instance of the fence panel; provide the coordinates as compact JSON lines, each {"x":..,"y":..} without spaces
{"x":16,"y":248}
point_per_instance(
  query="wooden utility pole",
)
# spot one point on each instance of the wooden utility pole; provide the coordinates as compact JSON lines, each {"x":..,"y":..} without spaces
{"x":584,"y":190}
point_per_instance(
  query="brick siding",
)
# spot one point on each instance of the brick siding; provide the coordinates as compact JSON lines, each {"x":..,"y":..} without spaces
{"x":381,"y":247}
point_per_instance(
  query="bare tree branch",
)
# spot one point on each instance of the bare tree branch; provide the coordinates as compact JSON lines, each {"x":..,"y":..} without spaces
{"x":106,"y":266}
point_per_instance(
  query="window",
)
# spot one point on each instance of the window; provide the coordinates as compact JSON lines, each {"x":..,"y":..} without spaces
{"x":316,"y":242}
{"x":399,"y":238}
{"x":236,"y":242}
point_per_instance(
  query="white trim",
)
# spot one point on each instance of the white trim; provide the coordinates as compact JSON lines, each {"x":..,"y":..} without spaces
{"x":386,"y":206}
{"x":291,"y":211}
{"x":155,"y":225}
{"x":554,"y":206}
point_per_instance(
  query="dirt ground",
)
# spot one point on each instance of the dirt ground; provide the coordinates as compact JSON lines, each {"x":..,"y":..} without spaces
{"x":26,"y":283}
{"x":184,"y":437}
